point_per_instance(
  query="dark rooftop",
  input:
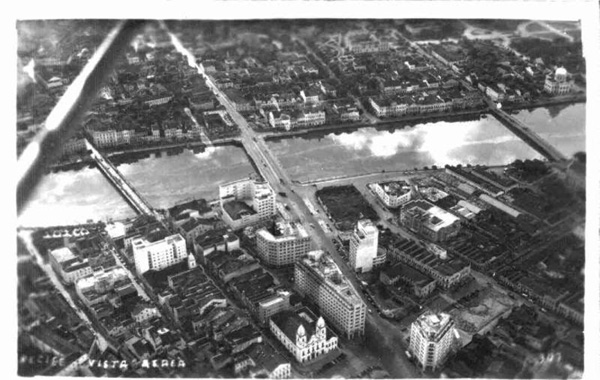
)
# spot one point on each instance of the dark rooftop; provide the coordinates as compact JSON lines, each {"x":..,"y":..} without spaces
{"x":237,"y":209}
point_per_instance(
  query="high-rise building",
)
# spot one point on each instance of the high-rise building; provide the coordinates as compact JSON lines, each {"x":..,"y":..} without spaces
{"x":150,"y":254}
{"x":431,"y":339}
{"x":363,"y":246}
{"x":285,"y":245}
{"x":246,"y":201}
{"x":318,"y":277}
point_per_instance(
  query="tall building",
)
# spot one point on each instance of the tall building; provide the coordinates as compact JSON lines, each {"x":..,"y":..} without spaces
{"x":285,"y":245}
{"x":363,"y":246}
{"x":246,"y":201}
{"x":431,"y":339}
{"x":302,"y":334}
{"x":150,"y":254}
{"x":318,"y":277}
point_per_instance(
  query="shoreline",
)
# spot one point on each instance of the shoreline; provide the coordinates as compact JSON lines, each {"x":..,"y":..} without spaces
{"x":409,"y":120}
{"x":347,"y":127}
{"x":412,"y":120}
{"x":404,"y":172}
{"x":306,"y":183}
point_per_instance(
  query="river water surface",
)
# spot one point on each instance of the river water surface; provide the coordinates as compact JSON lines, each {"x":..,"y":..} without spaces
{"x":165,"y":180}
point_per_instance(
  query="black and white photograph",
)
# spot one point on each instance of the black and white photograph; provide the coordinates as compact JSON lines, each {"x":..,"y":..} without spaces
{"x":370,"y":192}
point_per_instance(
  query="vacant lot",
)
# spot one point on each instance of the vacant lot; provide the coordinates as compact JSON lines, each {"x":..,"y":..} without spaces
{"x":345,"y":205}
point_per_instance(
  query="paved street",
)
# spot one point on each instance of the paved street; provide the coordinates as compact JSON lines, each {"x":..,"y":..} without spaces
{"x":272,"y":172}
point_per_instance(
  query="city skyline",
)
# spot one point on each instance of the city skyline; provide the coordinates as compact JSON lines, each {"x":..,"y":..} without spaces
{"x":246,"y":223}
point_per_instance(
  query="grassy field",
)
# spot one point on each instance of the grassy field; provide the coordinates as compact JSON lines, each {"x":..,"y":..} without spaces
{"x":345,"y":205}
{"x":535,"y":27}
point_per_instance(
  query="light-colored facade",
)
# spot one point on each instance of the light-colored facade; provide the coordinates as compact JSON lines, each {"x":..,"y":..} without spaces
{"x":393,"y":194}
{"x":159,"y":254}
{"x":68,"y":266}
{"x":258,"y":196}
{"x":431,"y":339}
{"x":280,"y":120}
{"x":95,"y":288}
{"x":560,"y":84}
{"x":302,"y":334}
{"x":285,"y":249}
{"x":429,"y":220}
{"x":309,"y":118}
{"x":111,"y":137}
{"x":318,"y":277}
{"x":363,"y":246}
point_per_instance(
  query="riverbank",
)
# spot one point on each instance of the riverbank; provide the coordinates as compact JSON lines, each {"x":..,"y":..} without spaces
{"x":558,"y":100}
{"x":406,"y":121}
{"x":410,"y":120}
{"x":135,"y":153}
{"x":386,"y":173}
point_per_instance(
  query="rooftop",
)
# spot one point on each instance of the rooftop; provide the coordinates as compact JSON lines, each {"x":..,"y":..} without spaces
{"x":395,"y":188}
{"x":434,"y":326}
{"x":283,"y":232}
{"x":432,"y":217}
{"x":414,"y":276}
{"x":323,"y":265}
{"x":290,"y":321}
{"x":237,"y":209}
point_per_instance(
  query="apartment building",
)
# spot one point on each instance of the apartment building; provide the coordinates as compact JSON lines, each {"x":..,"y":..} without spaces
{"x":318,"y":277}
{"x":283,"y":245}
{"x":150,"y":254}
{"x":431,"y":339}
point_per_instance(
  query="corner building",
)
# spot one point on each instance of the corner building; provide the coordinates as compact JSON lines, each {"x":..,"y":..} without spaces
{"x":318,"y":277}
{"x":431,"y":339}
{"x":285,"y":248}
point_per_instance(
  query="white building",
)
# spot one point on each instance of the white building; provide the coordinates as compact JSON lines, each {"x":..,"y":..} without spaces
{"x":318,"y":277}
{"x":95,"y":288}
{"x":431,"y":339}
{"x":290,"y":243}
{"x":302,"y":334}
{"x":159,"y":254}
{"x":68,"y":266}
{"x":429,"y":220}
{"x":246,"y":201}
{"x":308,"y":118}
{"x":143,"y":312}
{"x":560,"y":84}
{"x":280,"y":120}
{"x":393,"y":194}
{"x":363,"y":246}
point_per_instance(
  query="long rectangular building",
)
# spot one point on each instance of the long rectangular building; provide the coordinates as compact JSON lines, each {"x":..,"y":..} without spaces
{"x":150,"y":254}
{"x":319,"y":278}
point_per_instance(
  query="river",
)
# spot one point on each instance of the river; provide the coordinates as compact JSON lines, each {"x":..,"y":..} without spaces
{"x":480,"y":141}
{"x":561,"y":126}
{"x":76,"y":196}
